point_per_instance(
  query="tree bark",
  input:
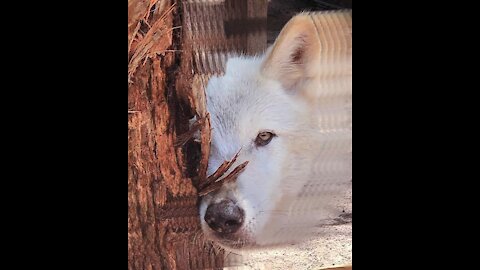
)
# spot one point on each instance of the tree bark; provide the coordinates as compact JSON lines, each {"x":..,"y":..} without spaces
{"x":164,"y":168}
{"x":162,"y":201}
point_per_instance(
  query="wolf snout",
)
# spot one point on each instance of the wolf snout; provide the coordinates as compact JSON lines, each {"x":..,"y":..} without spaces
{"x":224,"y":217}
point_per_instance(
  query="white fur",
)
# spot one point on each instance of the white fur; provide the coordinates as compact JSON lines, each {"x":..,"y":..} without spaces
{"x":288,"y":185}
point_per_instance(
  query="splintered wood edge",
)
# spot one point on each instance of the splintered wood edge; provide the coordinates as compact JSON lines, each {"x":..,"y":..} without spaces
{"x":230,"y":177}
{"x":184,"y":138}
{"x":199,"y":99}
{"x":205,"y":147}
{"x":226,"y":165}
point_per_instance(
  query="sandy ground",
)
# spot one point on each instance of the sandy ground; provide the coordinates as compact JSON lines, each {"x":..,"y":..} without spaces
{"x":325,"y":251}
{"x":332,"y":246}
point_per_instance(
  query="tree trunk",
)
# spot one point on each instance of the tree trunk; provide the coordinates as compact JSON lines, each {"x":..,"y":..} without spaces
{"x":164,"y":167}
{"x":162,"y":201}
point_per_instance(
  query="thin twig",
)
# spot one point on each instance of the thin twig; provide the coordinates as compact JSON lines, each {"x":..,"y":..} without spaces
{"x":218,"y":184}
{"x":184,"y":138}
{"x":220,"y":171}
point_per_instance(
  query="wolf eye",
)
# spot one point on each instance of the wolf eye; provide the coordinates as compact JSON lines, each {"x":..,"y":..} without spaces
{"x":263,"y":138}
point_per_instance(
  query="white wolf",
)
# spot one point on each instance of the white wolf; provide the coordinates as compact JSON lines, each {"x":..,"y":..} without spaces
{"x":289,"y":111}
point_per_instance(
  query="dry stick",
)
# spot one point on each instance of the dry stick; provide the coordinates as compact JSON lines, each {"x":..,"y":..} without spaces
{"x":184,"y":138}
{"x":216,"y":185}
{"x":213,"y":182}
{"x":220,"y":171}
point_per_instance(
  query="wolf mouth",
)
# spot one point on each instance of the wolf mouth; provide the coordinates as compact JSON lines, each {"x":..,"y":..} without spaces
{"x":239,"y":240}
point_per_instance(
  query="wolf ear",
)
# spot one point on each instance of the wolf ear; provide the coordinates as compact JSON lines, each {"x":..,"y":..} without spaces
{"x":304,"y":46}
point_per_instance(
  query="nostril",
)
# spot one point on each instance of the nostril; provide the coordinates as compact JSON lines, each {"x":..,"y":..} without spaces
{"x":232,"y":223}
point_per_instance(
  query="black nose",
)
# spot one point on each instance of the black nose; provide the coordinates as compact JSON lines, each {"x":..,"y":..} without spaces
{"x":224,"y":217}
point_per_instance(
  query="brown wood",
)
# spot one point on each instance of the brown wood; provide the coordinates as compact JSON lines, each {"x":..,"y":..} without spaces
{"x":163,"y":223}
{"x":164,"y":166}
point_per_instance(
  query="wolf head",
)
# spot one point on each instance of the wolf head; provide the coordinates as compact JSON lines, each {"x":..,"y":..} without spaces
{"x":266,"y":107}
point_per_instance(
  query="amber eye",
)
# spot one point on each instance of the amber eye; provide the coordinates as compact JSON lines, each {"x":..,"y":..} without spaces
{"x":263,"y":138}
